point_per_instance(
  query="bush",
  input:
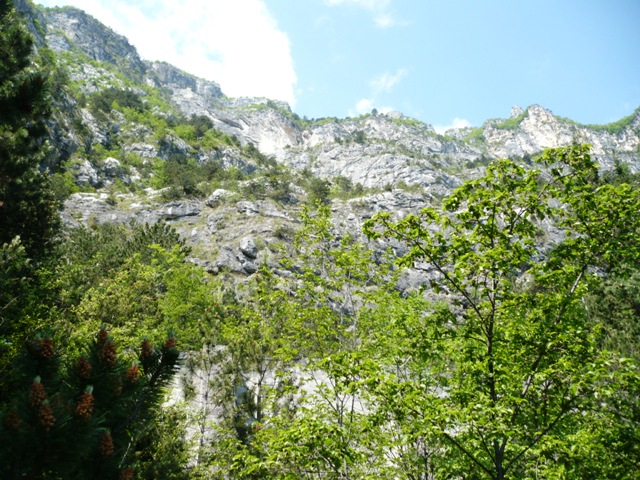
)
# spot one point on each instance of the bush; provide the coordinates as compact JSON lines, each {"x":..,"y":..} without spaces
{"x":103,"y":102}
{"x":319,"y":190}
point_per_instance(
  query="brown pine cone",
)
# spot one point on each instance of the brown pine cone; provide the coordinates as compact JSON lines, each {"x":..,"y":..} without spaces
{"x":105,"y":445}
{"x":107,"y":354}
{"x":146,"y":349}
{"x":12,"y":421}
{"x":47,"y":350}
{"x":37,"y":394}
{"x":126,"y":474}
{"x":84,"y":368}
{"x":45,"y":416}
{"x":84,"y":409}
{"x":170,"y":343}
{"x":102,"y":336}
{"x":133,"y":374}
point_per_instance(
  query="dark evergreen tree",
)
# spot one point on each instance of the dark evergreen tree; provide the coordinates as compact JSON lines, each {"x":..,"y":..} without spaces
{"x":27,"y":205}
{"x":84,"y":418}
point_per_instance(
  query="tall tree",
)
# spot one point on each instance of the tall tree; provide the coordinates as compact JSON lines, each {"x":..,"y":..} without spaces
{"x":27,"y":205}
{"x":506,"y":375}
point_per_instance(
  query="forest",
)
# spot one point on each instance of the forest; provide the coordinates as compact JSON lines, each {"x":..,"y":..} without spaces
{"x":120,"y":359}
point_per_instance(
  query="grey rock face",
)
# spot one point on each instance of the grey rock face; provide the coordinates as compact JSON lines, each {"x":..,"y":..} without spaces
{"x":374,"y":150}
{"x":72,"y":27}
{"x":540,"y":129}
{"x":516,"y":111}
{"x":143,"y":150}
{"x":86,"y":174}
{"x":217,"y":197}
{"x":111,"y":167}
{"x":397,"y":201}
{"x":248,"y":208}
{"x":173,"y":210}
{"x":248,"y":248}
{"x":171,"y":77}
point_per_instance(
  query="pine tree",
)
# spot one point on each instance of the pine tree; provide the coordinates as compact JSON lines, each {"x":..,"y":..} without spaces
{"x":27,"y":205}
{"x":83,"y":418}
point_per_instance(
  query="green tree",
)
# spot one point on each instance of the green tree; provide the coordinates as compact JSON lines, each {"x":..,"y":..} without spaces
{"x":28,"y":210}
{"x":85,"y":417}
{"x":27,"y":205}
{"x":507,"y":372}
{"x":328,"y":433}
{"x":319,"y":191}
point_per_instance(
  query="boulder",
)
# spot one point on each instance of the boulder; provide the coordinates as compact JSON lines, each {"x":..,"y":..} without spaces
{"x":248,"y":247}
{"x":87,"y":174}
{"x":217,"y":197}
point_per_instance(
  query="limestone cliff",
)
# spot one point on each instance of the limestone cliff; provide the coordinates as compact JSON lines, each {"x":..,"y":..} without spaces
{"x":120,"y":118}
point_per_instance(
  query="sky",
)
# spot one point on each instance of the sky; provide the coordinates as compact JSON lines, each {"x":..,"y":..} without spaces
{"x":449,"y":63}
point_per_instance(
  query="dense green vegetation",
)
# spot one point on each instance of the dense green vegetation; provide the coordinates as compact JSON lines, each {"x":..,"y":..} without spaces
{"x":27,"y":206}
{"x":519,"y":358}
{"x":616,"y":127}
{"x":510,"y":123}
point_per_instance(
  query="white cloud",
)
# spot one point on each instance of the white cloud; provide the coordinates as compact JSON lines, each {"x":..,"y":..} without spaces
{"x":384,"y":21}
{"x":213,"y":39}
{"x":386,"y":81}
{"x":383,"y":83}
{"x":455,"y":123}
{"x":364,"y":106}
{"x":382,"y":18}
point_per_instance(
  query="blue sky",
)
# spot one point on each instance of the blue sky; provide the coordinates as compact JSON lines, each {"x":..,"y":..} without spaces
{"x":445,"y":62}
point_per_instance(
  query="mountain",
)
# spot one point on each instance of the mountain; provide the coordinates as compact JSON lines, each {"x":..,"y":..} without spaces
{"x":507,"y":347}
{"x":140,"y":140}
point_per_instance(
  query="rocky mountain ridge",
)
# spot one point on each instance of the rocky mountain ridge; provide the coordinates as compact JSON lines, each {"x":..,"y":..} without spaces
{"x":121,"y":119}
{"x":275,"y":130}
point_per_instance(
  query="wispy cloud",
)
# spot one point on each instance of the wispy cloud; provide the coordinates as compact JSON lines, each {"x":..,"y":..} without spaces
{"x":213,"y":39}
{"x":382,"y":17}
{"x":386,"y":81}
{"x":456,"y":123}
{"x":366,"y":105}
{"x":380,"y":84}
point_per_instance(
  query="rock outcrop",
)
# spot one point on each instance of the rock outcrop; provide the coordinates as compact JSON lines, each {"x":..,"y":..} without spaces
{"x":121,"y":153}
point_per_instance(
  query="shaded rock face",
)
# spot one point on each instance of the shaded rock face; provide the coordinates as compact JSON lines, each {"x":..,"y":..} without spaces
{"x":235,"y":238}
{"x":248,"y":248}
{"x":171,"y":77}
{"x":71,"y":27}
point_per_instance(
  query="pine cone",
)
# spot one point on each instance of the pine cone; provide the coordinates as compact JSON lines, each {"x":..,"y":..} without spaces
{"x":84,"y":368}
{"x":107,"y":354}
{"x":126,"y":474}
{"x":105,"y":445}
{"x":170,"y":343}
{"x":117,"y":386}
{"x":12,"y":421}
{"x":47,"y":350}
{"x":133,"y":374}
{"x":45,"y":416}
{"x":84,"y":409}
{"x":37,"y":394}
{"x":102,"y":336}
{"x":146,"y":349}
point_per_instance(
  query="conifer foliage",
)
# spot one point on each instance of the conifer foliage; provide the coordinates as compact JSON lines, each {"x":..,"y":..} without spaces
{"x":27,"y":205}
{"x":83,"y":418}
